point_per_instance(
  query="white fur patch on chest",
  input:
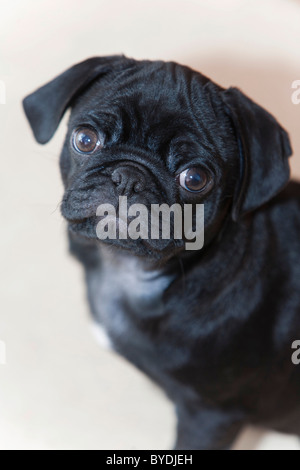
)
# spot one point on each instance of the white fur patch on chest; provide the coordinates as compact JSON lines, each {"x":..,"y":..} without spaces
{"x":129,"y":278}
{"x":101,"y":336}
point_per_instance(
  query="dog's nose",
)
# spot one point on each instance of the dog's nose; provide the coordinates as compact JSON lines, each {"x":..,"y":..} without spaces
{"x":128,"y":180}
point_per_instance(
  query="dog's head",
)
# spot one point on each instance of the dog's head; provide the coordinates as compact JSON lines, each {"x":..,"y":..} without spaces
{"x":158,"y":133}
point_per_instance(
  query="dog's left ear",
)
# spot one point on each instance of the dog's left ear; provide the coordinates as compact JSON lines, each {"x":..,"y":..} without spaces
{"x":264,"y":148}
{"x":45,"y":107}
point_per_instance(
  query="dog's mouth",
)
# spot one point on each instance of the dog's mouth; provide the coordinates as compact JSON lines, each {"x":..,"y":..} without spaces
{"x":90,"y":224}
{"x":86,"y":228}
{"x":77,"y":221}
{"x":82,"y":224}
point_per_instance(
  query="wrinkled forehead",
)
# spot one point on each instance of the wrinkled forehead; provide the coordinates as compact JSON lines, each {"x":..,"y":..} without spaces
{"x":148,"y":90}
{"x":151,"y":104}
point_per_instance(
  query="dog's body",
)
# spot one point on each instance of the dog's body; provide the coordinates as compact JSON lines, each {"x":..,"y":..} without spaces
{"x":213,"y":328}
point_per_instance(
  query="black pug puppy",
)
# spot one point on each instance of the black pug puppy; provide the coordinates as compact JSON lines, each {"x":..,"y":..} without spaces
{"x":213,"y":327}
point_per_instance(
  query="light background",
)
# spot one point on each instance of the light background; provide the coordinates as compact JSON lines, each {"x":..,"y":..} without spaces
{"x":59,"y":390}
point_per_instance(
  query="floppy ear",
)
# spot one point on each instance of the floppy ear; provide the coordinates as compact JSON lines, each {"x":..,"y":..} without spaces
{"x":45,"y":107}
{"x":264,"y":148}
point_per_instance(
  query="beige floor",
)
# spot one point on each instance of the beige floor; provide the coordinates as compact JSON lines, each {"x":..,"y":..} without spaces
{"x":59,"y":390}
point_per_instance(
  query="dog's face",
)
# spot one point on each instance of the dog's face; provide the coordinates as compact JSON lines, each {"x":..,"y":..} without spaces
{"x":152,"y":135}
{"x":158,"y":133}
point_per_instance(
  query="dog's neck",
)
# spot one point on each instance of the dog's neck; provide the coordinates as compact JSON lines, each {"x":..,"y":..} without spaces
{"x":136,"y":270}
{"x":122,"y":282}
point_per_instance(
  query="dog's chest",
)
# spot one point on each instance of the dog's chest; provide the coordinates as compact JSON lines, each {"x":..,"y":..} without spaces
{"x":123,"y":294}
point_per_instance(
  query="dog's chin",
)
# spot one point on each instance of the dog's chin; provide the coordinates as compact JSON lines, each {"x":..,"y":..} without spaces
{"x":152,"y":249}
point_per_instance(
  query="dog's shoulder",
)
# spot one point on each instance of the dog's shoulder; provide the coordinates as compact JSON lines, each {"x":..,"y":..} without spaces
{"x":284,"y":207}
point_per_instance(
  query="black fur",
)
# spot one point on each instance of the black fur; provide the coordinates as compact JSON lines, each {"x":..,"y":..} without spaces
{"x":215,"y":327}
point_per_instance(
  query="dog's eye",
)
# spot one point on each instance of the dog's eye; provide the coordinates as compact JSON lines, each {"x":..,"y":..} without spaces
{"x":86,"y":140}
{"x":193,"y":179}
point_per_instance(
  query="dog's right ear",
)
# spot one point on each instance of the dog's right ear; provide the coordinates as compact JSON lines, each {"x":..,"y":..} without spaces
{"x":264,"y":148}
{"x":45,"y":107}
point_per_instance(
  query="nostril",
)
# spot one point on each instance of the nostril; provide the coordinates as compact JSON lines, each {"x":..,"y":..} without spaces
{"x":116,"y":177}
{"x":139,"y":186}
